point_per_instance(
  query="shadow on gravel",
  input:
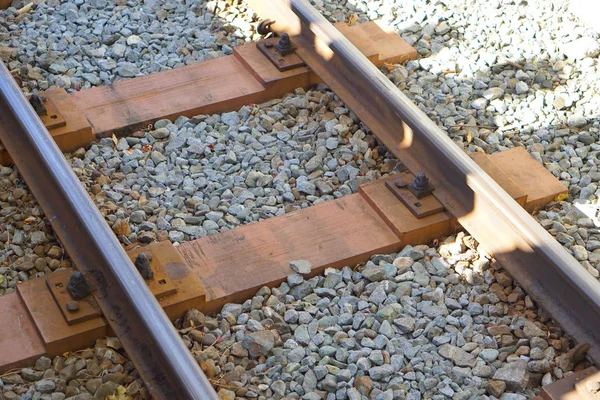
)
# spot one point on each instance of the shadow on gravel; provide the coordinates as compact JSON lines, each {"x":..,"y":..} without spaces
{"x":508,"y":102}
{"x":512,"y":102}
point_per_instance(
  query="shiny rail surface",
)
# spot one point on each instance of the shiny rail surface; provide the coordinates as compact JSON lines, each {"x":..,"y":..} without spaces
{"x":163,"y":361}
{"x":530,"y":254}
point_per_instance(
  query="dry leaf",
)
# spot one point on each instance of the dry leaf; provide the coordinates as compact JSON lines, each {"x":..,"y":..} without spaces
{"x":352,"y":20}
{"x":26,"y":9}
{"x":113,"y":343}
{"x":562,"y":197}
{"x":390,"y":67}
{"x":120,"y":395}
{"x":114,"y":139}
{"x":469,"y":137}
{"x":121,"y":227}
{"x":29,"y":220}
{"x":146,"y":147}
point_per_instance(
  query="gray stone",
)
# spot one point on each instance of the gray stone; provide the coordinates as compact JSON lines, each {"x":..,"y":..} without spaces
{"x":381,"y":372}
{"x":515,"y":375}
{"x":457,"y":356}
{"x":405,"y":325}
{"x":128,"y":70}
{"x":577,"y":120}
{"x":301,"y":335}
{"x":489,"y":354}
{"x":479,"y":104}
{"x":310,"y":381}
{"x":513,"y":396}
{"x":45,"y":386}
{"x":106,"y":389}
{"x":259,"y":343}
{"x":521,"y":87}
{"x":231,"y":118}
{"x":301,"y":266}
{"x":31,"y":375}
{"x":374,"y":273}
{"x":137,"y":217}
{"x":493,"y":93}
{"x":160,"y":133}
{"x":301,"y":291}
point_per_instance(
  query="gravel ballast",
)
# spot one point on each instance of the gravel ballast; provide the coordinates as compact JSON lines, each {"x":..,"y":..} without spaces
{"x":430,"y":323}
{"x":79,"y":44}
{"x":194,"y":177}
{"x":426,"y":323}
{"x":490,"y":80}
{"x":505,"y":74}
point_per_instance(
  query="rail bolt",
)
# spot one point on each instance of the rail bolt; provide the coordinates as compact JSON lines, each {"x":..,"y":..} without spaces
{"x":142,"y":263}
{"x":420,"y":186}
{"x":38,"y":104}
{"x":78,"y":286}
{"x":284,"y":45}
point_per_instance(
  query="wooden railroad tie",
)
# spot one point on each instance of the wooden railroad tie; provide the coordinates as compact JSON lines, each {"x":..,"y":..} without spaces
{"x":231,"y":266}
{"x":213,"y":86}
{"x":205,"y":273}
{"x":582,"y":385}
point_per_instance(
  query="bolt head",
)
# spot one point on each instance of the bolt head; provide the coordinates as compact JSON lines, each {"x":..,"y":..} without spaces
{"x":72,"y":305}
{"x":399,"y":183}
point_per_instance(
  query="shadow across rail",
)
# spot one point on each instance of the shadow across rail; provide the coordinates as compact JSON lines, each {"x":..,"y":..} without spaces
{"x":539,"y":263}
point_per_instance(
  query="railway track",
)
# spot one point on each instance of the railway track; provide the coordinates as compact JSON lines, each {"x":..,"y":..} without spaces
{"x":464,"y":195}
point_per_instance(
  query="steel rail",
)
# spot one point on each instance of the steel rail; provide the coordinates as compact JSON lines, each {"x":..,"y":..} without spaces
{"x":163,"y":361}
{"x":529,"y":253}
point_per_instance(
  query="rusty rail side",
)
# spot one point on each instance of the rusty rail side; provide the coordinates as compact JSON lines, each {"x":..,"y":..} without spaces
{"x":151,"y":341}
{"x":529,"y":253}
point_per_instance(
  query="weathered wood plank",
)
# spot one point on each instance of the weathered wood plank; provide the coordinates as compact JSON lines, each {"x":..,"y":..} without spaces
{"x":377,"y":42}
{"x":231,"y":266}
{"x":56,"y":334}
{"x":212,"y":86}
{"x":541,"y":186}
{"x":20,"y":342}
{"x":75,"y":134}
{"x":234,"y":264}
{"x":215,"y":85}
{"x":401,"y":220}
